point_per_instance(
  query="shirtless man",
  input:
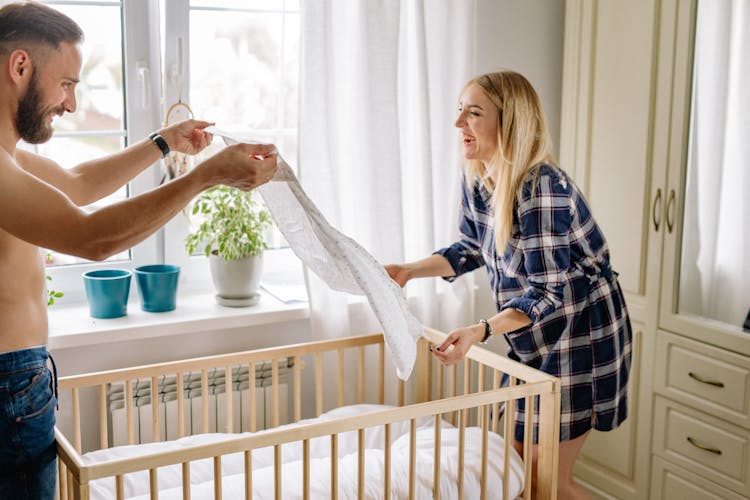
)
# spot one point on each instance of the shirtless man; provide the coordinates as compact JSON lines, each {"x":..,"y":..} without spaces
{"x":40,"y":64}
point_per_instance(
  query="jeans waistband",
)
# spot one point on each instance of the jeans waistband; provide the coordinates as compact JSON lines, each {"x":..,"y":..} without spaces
{"x":23,"y":359}
{"x":26,"y":359}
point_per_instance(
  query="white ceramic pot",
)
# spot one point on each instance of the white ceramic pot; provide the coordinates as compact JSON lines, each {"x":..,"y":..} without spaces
{"x":236,"y":281}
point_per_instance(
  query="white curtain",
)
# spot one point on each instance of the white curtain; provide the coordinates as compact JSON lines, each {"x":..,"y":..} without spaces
{"x":716,"y":241}
{"x":378,"y":153}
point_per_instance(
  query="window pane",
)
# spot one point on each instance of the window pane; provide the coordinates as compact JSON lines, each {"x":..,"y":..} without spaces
{"x":234,"y":68}
{"x":100,"y":101}
{"x":71,"y":151}
{"x":100,"y":93}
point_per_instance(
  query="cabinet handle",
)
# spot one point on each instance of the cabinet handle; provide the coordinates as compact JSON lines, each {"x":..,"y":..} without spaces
{"x":692,"y":441}
{"x":656,"y":210}
{"x":704,"y":381}
{"x":670,"y":205}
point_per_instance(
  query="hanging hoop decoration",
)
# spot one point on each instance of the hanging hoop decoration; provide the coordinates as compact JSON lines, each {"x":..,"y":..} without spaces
{"x":176,"y":164}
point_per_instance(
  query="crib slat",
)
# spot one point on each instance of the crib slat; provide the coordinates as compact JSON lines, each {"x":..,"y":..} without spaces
{"x":387,"y":463}
{"x":436,"y":460}
{"x":361,"y":375}
{"x":306,"y":469}
{"x":461,"y":443}
{"x":277,"y":471}
{"x":361,"y":464}
{"x":439,"y":380}
{"x":76,"y":419}
{"x":217,"y":478}
{"x":341,"y":378}
{"x":185,"y":480}
{"x":412,"y":458}
{"x":318,"y":384}
{"x":480,"y":388}
{"x":508,"y":434}
{"x":129,"y":411}
{"x":275,"y":392}
{"x":452,"y":390}
{"x":381,"y":373}
{"x":119,"y":488}
{"x":548,"y":443}
{"x":71,"y":488}
{"x":334,"y":466}
{"x":228,"y":392}
{"x":62,"y":472}
{"x":153,"y":484}
{"x":297,"y":389}
{"x":248,"y":475}
{"x":251,"y":395}
{"x":496,"y":378}
{"x":467,"y":386}
{"x":103,"y":438}
{"x":528,"y":435}
{"x":485,"y":424}
{"x":180,"y":406}
{"x":204,"y":401}
{"x":155,"y":409}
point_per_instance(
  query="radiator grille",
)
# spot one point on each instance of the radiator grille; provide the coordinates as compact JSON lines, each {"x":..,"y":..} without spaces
{"x":216,"y":394}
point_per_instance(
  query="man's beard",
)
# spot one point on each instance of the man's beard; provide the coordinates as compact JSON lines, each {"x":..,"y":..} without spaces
{"x":32,"y":118}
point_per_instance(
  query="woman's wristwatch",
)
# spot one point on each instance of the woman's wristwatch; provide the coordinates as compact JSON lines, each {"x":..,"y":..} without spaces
{"x":488,"y":331}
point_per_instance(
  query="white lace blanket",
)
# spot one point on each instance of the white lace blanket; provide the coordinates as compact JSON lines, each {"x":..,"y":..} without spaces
{"x":338,"y":260}
{"x":201,"y":472}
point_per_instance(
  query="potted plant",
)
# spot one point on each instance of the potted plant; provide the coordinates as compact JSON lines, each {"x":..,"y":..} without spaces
{"x":233,"y":235}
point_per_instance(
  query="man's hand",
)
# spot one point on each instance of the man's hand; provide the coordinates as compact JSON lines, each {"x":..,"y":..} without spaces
{"x":187,"y":136}
{"x":244,"y":166}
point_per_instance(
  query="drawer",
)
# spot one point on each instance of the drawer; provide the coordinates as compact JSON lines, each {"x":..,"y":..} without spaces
{"x":702,"y":444}
{"x":706,"y":377}
{"x":670,"y":482}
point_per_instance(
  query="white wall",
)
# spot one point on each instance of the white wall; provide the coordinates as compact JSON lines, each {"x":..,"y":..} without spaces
{"x":524,"y":36}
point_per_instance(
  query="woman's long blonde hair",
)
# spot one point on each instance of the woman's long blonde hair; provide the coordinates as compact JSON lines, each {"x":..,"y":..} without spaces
{"x":523,"y":143}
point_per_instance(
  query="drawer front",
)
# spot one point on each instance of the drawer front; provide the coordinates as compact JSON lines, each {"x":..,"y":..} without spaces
{"x":669,"y":482}
{"x":705,"y":445}
{"x":706,"y":377}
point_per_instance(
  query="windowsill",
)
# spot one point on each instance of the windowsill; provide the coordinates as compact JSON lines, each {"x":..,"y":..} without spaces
{"x":71,"y":325}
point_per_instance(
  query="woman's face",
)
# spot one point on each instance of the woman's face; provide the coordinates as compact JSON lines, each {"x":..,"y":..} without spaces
{"x":478,"y":122}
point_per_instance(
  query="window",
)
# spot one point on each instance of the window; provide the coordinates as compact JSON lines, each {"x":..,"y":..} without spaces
{"x":233,"y":62}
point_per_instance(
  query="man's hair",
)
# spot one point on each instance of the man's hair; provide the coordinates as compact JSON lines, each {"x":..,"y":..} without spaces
{"x":25,"y":25}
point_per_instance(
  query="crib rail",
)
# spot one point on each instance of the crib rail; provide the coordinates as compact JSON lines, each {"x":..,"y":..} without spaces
{"x":433,"y":400}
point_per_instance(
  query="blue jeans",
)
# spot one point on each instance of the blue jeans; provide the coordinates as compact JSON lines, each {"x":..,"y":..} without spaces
{"x":28,"y":465}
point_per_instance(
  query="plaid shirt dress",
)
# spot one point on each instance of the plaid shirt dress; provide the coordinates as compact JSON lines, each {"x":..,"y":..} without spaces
{"x":555,"y":270}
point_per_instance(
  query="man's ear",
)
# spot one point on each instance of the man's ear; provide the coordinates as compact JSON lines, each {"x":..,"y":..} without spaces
{"x":19,"y":65}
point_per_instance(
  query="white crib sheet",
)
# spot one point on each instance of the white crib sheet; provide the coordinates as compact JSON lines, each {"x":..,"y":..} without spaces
{"x":201,"y":472}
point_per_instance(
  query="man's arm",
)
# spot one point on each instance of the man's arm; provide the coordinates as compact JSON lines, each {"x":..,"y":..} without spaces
{"x":93,"y":180}
{"x":40,"y":214}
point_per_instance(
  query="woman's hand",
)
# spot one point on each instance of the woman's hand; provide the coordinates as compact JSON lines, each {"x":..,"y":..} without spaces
{"x":399,"y":273}
{"x":457,"y":344}
{"x":187,"y":136}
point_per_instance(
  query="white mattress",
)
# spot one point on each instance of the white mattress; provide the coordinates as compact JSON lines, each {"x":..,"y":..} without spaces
{"x":201,"y":471}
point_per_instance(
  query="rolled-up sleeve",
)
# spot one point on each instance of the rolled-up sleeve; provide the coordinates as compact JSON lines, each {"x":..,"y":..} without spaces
{"x":545,"y":220}
{"x":465,"y":255}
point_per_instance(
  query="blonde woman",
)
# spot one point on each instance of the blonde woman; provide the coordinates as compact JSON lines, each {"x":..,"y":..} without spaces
{"x":559,"y":304}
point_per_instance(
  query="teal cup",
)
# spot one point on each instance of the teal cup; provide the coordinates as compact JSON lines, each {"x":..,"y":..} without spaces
{"x":157,"y":286}
{"x":107,"y":292}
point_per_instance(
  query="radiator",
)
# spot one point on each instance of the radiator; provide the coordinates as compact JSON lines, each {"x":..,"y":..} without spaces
{"x":192,"y":397}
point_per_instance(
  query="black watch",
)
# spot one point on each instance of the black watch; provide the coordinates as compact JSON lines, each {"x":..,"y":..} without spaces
{"x":488,"y":331}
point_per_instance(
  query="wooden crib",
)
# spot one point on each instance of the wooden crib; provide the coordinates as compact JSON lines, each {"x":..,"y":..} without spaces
{"x":435,"y":396}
